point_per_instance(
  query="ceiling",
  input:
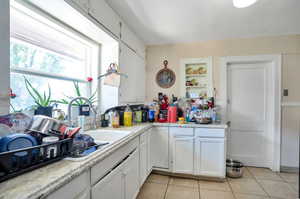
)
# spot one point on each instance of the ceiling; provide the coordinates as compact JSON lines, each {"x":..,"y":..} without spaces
{"x":176,"y":21}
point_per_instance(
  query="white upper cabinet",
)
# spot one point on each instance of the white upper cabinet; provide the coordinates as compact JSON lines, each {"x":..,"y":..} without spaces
{"x":128,"y":66}
{"x":83,"y":4}
{"x":105,"y":15}
{"x":131,"y":39}
{"x":132,"y":89}
{"x":141,"y":80}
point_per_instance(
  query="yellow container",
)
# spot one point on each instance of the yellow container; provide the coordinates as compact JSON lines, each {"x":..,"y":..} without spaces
{"x":128,"y":116}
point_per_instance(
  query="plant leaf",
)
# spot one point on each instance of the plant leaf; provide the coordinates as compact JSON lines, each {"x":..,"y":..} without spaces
{"x":39,"y":98}
{"x":49,"y":96}
{"x":30,"y":93}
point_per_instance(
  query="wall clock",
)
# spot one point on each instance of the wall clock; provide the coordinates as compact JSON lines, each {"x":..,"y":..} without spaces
{"x":165,"y":78}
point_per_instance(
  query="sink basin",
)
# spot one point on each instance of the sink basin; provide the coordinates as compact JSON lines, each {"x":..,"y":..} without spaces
{"x":107,"y":135}
{"x":101,"y":136}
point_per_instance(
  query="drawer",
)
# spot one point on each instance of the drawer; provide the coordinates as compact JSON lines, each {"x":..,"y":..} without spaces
{"x":77,"y":188}
{"x":205,"y":132}
{"x":181,"y":131}
{"x":104,"y":166}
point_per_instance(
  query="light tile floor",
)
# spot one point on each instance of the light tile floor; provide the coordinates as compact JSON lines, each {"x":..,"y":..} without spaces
{"x":257,"y":183}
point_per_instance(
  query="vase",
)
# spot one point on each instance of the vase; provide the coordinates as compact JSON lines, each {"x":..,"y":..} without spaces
{"x":44,"y":110}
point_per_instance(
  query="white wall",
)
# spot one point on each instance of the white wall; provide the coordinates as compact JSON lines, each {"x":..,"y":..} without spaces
{"x":4,"y":56}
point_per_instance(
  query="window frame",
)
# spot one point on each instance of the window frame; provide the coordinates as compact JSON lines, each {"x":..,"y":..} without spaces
{"x":91,"y":57}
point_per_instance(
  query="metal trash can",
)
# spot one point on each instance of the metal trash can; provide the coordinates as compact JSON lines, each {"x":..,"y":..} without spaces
{"x":234,"y":168}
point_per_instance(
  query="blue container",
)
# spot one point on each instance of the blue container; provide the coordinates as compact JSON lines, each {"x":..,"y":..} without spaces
{"x":17,"y":141}
{"x":151,"y":115}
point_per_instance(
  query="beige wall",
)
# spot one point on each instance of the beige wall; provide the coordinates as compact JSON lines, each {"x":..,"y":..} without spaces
{"x":288,"y":46}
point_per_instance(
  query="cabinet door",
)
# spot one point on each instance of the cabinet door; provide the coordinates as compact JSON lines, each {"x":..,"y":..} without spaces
{"x":149,"y":163}
{"x":110,"y":187}
{"x":160,"y":147}
{"x":128,"y":66}
{"x":183,"y":155}
{"x":131,"y":39}
{"x":210,"y":156}
{"x":83,"y":4}
{"x":131,"y":176}
{"x":141,"y":79}
{"x":77,"y":188}
{"x":143,"y":162}
{"x":105,"y":15}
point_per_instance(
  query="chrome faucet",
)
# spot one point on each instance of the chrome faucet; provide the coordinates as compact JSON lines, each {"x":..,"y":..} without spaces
{"x":90,"y":105}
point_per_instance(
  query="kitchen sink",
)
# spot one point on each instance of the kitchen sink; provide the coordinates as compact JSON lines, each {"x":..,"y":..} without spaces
{"x":103,"y":139}
{"x":107,"y":135}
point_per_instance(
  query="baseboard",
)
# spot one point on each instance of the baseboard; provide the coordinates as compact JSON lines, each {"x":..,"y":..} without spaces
{"x":190,"y":176}
{"x":289,"y":169}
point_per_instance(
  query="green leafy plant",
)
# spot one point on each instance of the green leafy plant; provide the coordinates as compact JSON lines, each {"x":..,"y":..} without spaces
{"x":78,"y":93}
{"x":44,"y":99}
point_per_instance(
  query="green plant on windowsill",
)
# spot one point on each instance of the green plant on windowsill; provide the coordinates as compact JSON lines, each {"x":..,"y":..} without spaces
{"x":78,"y":93}
{"x":43,"y":101}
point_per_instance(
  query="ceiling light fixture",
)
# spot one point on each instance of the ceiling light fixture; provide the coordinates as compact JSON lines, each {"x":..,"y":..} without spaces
{"x":243,"y":3}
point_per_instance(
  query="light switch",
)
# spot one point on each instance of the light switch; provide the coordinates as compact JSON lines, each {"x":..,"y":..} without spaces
{"x":285,"y":92}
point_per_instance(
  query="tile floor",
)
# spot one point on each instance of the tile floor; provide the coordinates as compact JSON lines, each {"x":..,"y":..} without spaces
{"x":257,"y":183}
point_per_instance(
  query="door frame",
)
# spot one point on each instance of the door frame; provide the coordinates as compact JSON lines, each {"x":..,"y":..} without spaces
{"x":275,"y":120}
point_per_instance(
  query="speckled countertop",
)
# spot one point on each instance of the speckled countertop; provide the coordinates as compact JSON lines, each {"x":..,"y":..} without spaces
{"x":43,"y":181}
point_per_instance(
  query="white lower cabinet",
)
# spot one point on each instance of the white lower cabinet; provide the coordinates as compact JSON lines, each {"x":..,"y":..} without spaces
{"x":110,"y":187}
{"x":159,"y":144}
{"x":144,"y":157}
{"x":197,"y":151}
{"x":210,"y":157}
{"x":131,"y":176}
{"x":183,"y":154}
{"x":122,"y":182}
{"x":78,"y":188}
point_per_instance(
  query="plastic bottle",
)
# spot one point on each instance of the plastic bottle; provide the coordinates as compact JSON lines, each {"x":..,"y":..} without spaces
{"x":172,"y":114}
{"x":128,"y":116}
{"x":115,"y":119}
{"x":151,"y":114}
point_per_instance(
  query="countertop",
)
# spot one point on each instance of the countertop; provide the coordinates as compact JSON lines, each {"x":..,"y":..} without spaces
{"x":43,"y":181}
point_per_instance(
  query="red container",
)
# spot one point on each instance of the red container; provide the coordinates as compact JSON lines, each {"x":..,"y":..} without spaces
{"x":172,"y":114}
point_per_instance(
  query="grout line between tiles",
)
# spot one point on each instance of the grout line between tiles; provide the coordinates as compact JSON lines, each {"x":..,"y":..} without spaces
{"x":262,"y":188}
{"x":231,"y":188}
{"x":165,"y":195}
{"x":198,"y":182}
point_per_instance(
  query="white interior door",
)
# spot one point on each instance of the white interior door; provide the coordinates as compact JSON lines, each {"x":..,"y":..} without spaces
{"x":248,"y":111}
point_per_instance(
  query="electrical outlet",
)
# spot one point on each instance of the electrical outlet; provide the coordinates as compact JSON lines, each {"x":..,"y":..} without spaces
{"x":285,"y":92}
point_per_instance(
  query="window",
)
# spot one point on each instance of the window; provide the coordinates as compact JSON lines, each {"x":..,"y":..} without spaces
{"x":47,"y":53}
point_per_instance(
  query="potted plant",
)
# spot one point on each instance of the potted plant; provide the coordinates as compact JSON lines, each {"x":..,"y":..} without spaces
{"x":78,"y":104}
{"x":43,"y":101}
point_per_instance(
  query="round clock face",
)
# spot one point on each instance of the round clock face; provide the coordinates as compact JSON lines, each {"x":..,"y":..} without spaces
{"x":165,"y":78}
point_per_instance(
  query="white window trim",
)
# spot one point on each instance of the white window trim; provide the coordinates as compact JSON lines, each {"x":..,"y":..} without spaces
{"x":64,"y":29}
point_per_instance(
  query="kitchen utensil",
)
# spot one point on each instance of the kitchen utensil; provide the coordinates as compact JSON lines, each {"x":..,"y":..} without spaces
{"x":46,"y":125}
{"x":17,"y":141}
{"x":72,"y":132}
{"x":234,"y":169}
{"x":203,"y":120}
{"x":18,"y":122}
{"x":5,"y":130}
